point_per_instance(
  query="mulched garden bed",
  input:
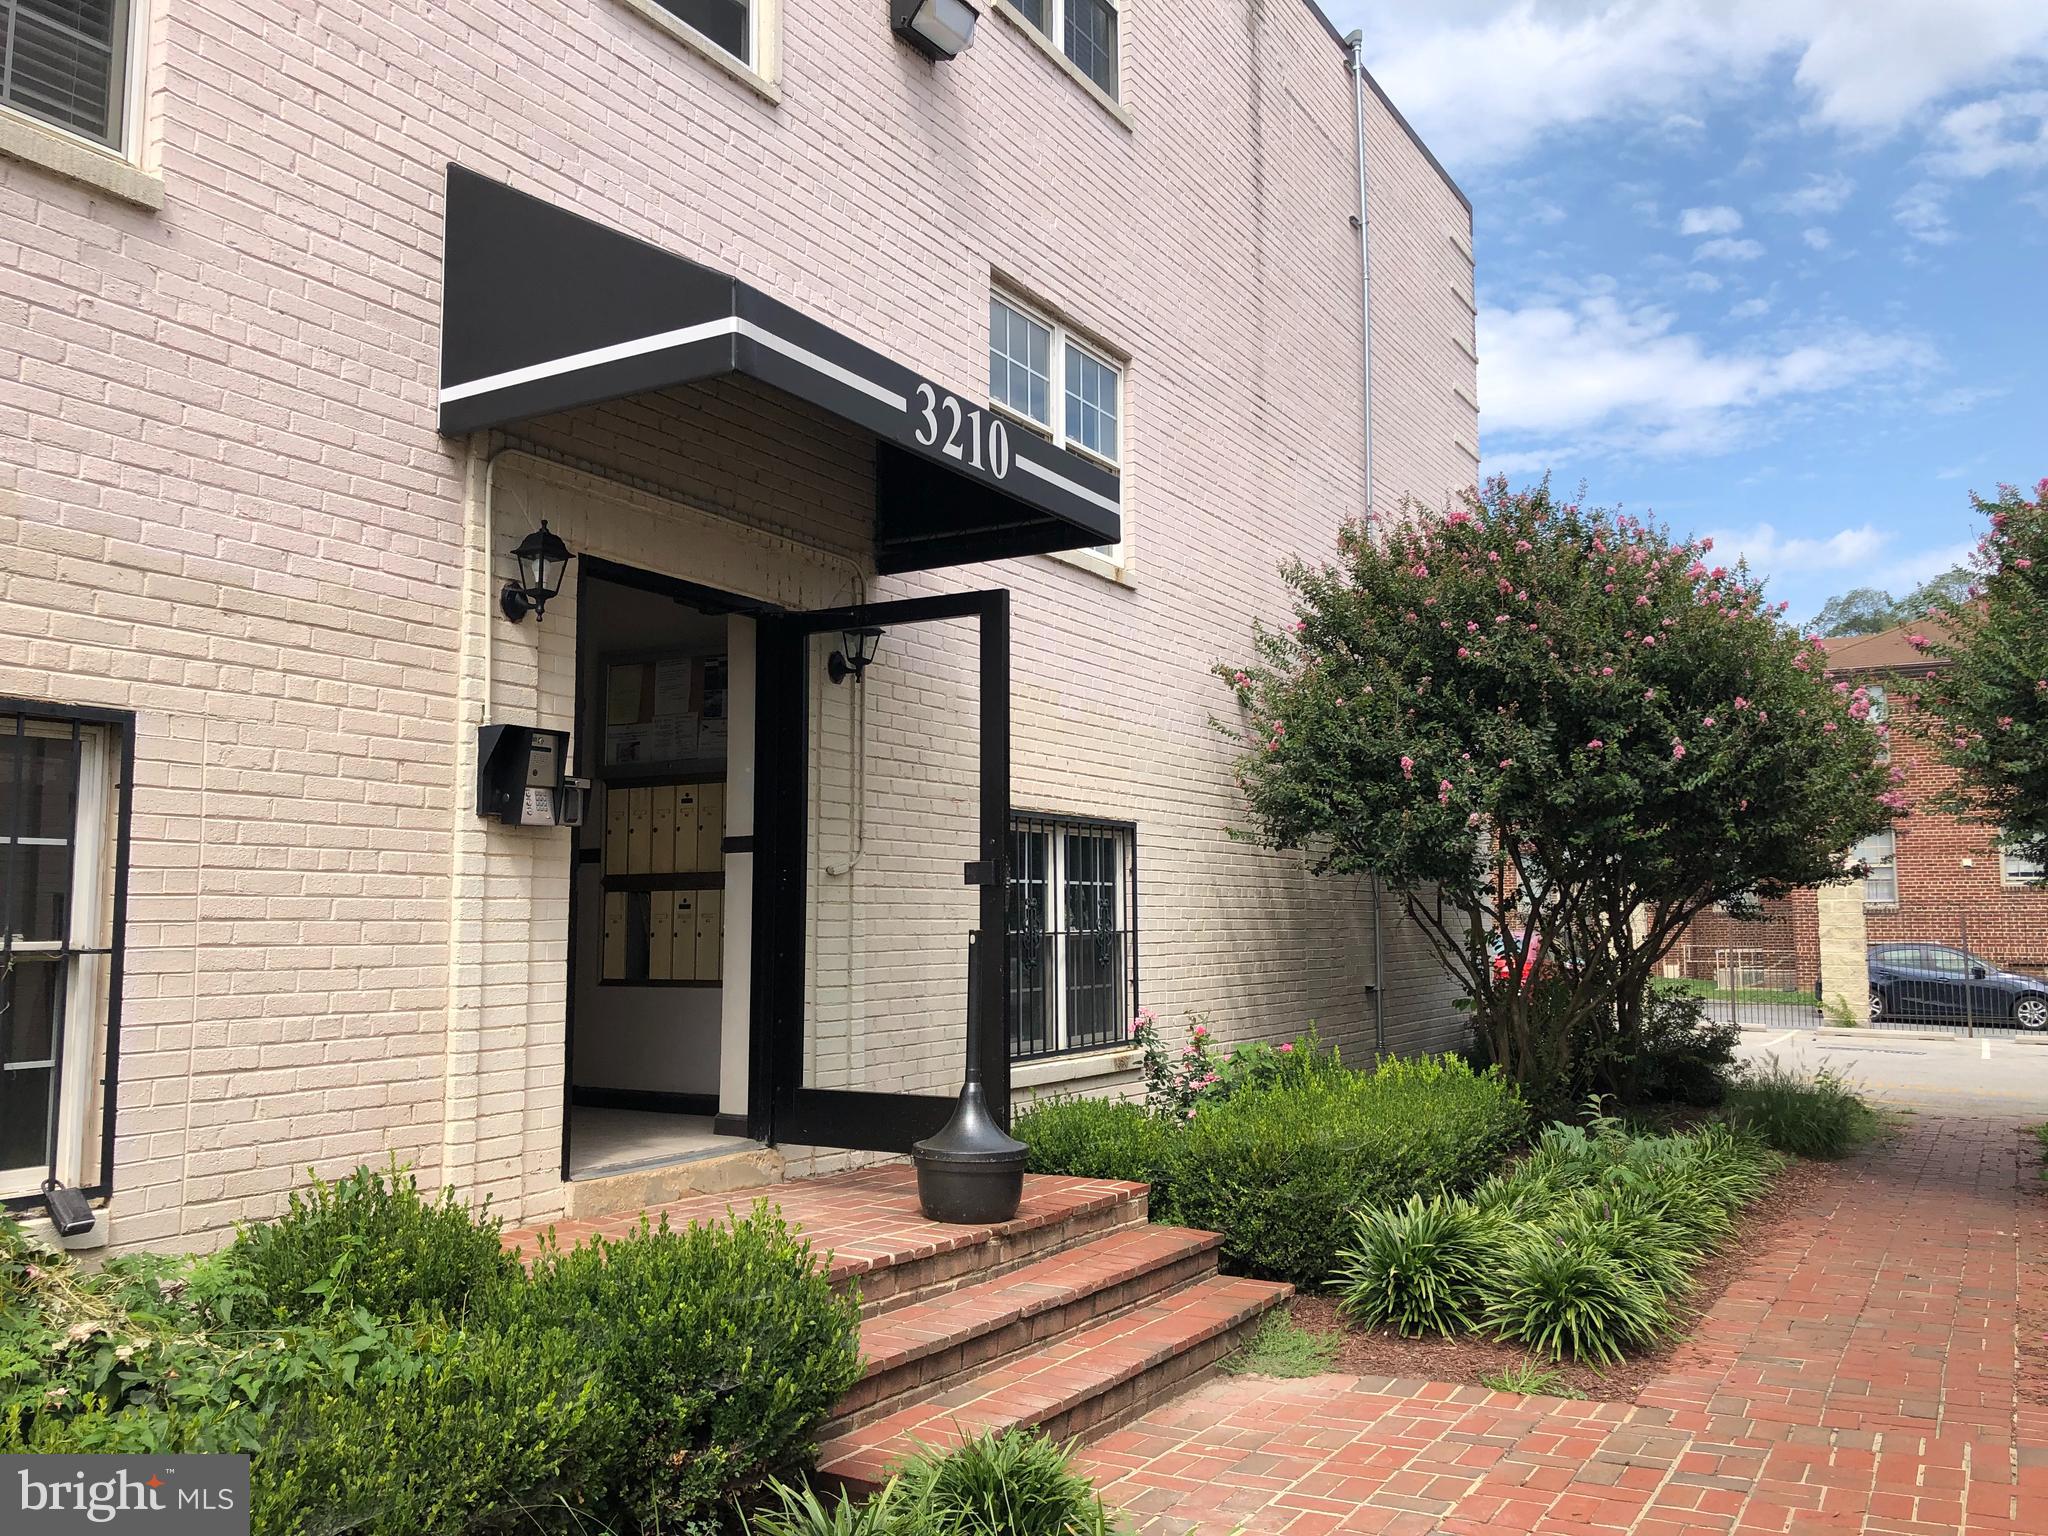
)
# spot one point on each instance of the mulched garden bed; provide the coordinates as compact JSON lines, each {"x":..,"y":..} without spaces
{"x":1798,"y":1196}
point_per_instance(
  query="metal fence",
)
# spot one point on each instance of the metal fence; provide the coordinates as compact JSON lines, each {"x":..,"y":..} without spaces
{"x":1748,"y":971}
{"x":1932,"y":973}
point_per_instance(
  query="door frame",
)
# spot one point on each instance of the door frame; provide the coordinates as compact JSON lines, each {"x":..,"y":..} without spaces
{"x":705,"y":599}
{"x":780,"y":1107}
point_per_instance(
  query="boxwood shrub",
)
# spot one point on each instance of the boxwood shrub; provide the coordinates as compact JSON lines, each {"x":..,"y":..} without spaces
{"x":1279,"y":1165}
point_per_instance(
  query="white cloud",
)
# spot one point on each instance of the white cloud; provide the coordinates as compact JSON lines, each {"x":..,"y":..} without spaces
{"x":1721,"y":220}
{"x":1461,"y":69}
{"x":1817,"y":239}
{"x":1604,"y":374}
{"x":1910,"y":571}
{"x":1823,"y":193}
{"x":1921,"y":212}
{"x":2000,"y":133}
{"x":1771,"y":553}
{"x":1727,"y":250}
{"x":1702,"y":282}
{"x":1750,"y":309}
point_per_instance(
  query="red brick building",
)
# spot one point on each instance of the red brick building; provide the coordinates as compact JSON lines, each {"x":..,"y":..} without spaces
{"x":1934,"y":879}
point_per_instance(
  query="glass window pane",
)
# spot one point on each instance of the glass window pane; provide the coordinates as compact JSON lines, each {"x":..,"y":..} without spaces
{"x":62,"y":60}
{"x":723,"y":21}
{"x":1038,"y":13}
{"x":1018,"y":347}
{"x":35,"y":784}
{"x":1091,"y":40}
{"x":31,"y":996}
{"x":1092,"y":387}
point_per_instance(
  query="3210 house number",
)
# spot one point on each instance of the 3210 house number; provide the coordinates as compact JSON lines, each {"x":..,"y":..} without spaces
{"x":977,"y":438}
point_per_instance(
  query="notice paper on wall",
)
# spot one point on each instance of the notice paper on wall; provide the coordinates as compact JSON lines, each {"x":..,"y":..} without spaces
{"x":664,"y":711}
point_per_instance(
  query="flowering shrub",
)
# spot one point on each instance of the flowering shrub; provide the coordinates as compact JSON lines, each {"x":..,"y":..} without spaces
{"x":1987,"y":710}
{"x":1175,"y":1080}
{"x":1573,"y":726}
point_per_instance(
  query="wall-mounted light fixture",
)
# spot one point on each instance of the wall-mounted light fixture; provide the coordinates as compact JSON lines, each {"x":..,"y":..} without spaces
{"x":938,"y":29}
{"x":542,"y":559}
{"x":858,"y":649}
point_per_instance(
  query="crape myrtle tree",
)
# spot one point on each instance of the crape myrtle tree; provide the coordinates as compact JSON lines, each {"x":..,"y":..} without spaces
{"x":1559,"y":735}
{"x":1987,"y":710}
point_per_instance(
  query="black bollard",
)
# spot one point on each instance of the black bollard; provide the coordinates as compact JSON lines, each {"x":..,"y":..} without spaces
{"x":971,"y":1171}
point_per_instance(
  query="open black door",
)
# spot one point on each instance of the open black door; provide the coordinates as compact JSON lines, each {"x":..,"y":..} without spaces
{"x":881,"y":828}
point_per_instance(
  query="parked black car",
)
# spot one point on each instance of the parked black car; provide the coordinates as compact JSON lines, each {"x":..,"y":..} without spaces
{"x":1941,"y":984}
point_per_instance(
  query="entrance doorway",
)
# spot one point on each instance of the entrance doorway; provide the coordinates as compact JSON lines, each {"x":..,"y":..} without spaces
{"x":648,"y":974}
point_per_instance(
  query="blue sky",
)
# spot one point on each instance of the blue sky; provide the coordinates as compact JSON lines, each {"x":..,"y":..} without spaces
{"x":1776,"y":270}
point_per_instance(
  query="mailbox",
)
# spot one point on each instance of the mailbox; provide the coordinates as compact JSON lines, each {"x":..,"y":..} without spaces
{"x":520,"y":778}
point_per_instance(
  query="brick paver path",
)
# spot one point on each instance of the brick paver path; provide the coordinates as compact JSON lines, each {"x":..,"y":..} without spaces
{"x":1861,"y":1376}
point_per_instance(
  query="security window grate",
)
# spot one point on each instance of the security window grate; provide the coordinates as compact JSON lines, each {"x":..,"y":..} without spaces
{"x":65,"y":61}
{"x":1073,"y":934}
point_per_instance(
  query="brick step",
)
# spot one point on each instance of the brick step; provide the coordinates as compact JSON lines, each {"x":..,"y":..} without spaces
{"x":900,"y":1269}
{"x":945,"y":1336}
{"x":1089,"y":1380}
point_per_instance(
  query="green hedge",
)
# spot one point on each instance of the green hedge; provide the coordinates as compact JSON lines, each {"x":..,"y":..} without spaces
{"x":1278,"y":1168}
{"x":392,"y":1374}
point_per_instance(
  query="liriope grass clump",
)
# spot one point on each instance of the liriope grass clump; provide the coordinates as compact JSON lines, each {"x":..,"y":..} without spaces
{"x":1583,"y":1251}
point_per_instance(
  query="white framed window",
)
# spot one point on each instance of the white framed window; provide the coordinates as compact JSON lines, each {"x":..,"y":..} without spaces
{"x":1073,"y":935}
{"x":1880,"y":852}
{"x":2018,"y":869}
{"x":1088,"y":32}
{"x":68,"y":63}
{"x":1880,"y":714}
{"x":1043,"y":375}
{"x":741,"y":37}
{"x":59,"y":962}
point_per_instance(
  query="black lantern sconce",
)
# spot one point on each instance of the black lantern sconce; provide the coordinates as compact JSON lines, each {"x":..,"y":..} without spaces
{"x":938,"y":29}
{"x":859,"y":649}
{"x":542,"y":559}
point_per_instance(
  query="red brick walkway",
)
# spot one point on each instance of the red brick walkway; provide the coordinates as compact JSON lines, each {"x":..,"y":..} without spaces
{"x":1861,"y":1377}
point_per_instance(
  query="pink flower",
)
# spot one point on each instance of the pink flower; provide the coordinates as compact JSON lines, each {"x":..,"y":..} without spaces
{"x":1607,"y":671}
{"x":1595,"y":744}
{"x":1241,"y":680}
{"x":1677,"y":749}
{"x":1300,"y":625}
{"x":1443,"y":791}
{"x":1199,"y":1030}
{"x":1828,"y":726}
{"x":1407,"y":767}
{"x":1918,"y":642}
{"x":1191,"y":1113}
{"x":1285,"y":1047}
{"x":1523,"y":546}
{"x":2023,"y":563}
{"x":1463,"y":653}
{"x":1471,"y":627}
{"x":1649,"y":694}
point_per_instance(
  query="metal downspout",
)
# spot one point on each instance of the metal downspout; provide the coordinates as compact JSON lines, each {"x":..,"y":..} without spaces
{"x":1356,"y":42}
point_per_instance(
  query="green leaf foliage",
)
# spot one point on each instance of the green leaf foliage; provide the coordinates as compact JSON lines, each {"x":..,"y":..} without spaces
{"x":1817,"y":1115}
{"x":1420,"y":1267}
{"x":371,"y":1240}
{"x":1984,"y":707}
{"x":726,"y":1346}
{"x":1570,"y":725}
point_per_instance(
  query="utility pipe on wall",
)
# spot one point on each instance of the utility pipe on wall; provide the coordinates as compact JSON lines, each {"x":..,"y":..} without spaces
{"x":1356,"y":42}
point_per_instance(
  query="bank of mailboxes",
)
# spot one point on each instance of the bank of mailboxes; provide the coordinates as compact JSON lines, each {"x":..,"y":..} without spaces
{"x":656,"y":932}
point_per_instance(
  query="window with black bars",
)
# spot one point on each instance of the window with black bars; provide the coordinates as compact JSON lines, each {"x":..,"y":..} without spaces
{"x":65,"y":61}
{"x":1073,"y":932}
{"x":58,"y":964}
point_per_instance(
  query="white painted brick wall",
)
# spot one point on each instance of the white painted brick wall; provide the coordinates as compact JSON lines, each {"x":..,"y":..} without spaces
{"x":223,"y":505}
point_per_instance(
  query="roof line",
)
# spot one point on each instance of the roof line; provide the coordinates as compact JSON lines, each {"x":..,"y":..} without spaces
{"x":1387,"y":101}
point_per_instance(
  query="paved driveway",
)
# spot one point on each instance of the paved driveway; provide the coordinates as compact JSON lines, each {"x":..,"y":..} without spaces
{"x":1992,"y":1075}
{"x":1862,"y":1376}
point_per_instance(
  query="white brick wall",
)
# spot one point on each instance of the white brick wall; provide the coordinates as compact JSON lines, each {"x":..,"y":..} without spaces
{"x":223,"y":505}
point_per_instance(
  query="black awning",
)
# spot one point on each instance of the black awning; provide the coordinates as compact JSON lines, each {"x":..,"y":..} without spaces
{"x":543,"y":310}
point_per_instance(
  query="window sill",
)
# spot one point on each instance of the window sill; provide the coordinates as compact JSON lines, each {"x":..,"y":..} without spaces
{"x":53,"y":150}
{"x":1073,"y":71}
{"x":754,"y":80}
{"x":1072,"y":1069}
{"x":1122,"y":572}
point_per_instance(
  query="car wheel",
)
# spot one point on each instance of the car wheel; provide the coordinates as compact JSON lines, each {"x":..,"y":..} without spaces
{"x":2031,"y":1012}
{"x":1876,"y":1004}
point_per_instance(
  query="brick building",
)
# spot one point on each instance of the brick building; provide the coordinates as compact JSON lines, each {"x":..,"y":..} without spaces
{"x":1934,"y":879}
{"x":1019,"y":370}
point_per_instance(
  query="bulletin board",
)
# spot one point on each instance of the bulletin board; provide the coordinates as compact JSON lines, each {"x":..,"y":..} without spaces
{"x":665,"y":710}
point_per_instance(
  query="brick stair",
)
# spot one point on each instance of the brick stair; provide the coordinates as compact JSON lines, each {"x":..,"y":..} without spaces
{"x":1077,"y":1339}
